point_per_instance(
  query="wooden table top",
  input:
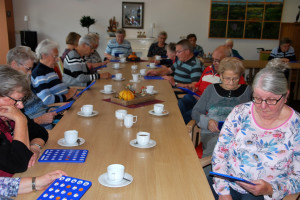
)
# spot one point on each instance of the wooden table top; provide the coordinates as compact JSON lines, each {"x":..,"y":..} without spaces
{"x":170,"y":170}
{"x":262,"y":63}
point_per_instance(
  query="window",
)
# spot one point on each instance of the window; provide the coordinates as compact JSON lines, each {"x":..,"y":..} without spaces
{"x":248,"y":19}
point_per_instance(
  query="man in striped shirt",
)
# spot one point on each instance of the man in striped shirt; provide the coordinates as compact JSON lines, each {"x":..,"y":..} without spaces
{"x":186,"y":70}
{"x":285,"y":51}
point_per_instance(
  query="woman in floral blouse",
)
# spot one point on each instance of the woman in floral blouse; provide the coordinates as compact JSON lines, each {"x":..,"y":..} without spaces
{"x":260,"y":142}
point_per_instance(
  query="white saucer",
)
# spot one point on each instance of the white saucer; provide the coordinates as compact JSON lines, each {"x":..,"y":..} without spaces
{"x":94,"y":113}
{"x":103,"y":181}
{"x":165,"y":112}
{"x":153,"y":92}
{"x":132,"y":81}
{"x":151,"y":143}
{"x":62,"y":142}
{"x":111,"y":92}
{"x":122,"y":79}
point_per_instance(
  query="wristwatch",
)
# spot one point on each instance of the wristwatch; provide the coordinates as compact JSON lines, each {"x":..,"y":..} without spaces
{"x":176,"y":84}
{"x":33,"y":184}
{"x":35,"y":144}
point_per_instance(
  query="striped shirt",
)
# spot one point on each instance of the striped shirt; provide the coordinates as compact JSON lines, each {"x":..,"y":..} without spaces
{"x":114,"y":47}
{"x":187,"y":72}
{"x":46,"y":84}
{"x":277,"y":53}
{"x":76,"y":72}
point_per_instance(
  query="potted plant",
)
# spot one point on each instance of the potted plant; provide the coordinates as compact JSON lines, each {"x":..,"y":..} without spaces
{"x":87,"y":21}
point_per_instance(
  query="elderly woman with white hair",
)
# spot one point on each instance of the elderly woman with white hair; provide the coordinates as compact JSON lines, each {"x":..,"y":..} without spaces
{"x":260,"y":142}
{"x":45,"y":83}
{"x":234,"y":53}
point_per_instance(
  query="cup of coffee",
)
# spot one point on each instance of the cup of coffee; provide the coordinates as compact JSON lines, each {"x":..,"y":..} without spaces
{"x":107,"y":88}
{"x":116,"y":65}
{"x":158,"y":108}
{"x":71,"y":136}
{"x":115,"y":173}
{"x":157,"y":57}
{"x":122,"y":59}
{"x":143,"y":72}
{"x":129,"y":120}
{"x":135,"y":77}
{"x":134,"y":67}
{"x":149,"y":89}
{"x":152,"y":65}
{"x":143,"y":138}
{"x":87,"y":109}
{"x":119,"y":76}
{"x":120,"y":114}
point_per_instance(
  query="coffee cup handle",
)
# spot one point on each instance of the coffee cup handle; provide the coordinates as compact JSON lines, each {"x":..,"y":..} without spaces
{"x":135,"y":119}
{"x":81,"y":109}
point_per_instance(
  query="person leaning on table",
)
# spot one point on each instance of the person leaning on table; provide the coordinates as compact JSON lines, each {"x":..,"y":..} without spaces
{"x":285,"y":51}
{"x":187,"y":69}
{"x":21,"y":140}
{"x":11,"y":187}
{"x":260,"y":142}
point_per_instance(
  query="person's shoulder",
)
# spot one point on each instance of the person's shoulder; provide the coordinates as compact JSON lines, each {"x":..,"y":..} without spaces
{"x":291,"y":49}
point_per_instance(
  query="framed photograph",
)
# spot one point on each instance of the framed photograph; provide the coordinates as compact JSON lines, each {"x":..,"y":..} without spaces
{"x":133,"y":15}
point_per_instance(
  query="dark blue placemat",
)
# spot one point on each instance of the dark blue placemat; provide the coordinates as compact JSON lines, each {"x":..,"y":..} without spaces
{"x":230,"y":178}
{"x":153,"y":78}
{"x":65,"y":188}
{"x":99,"y":67}
{"x":64,"y":155}
{"x":114,"y":60}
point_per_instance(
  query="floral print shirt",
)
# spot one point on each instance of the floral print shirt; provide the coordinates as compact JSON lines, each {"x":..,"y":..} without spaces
{"x":9,"y":186}
{"x":248,"y":151}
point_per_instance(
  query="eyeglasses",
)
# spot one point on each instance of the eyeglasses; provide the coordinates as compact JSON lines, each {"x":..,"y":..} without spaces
{"x":228,"y":79}
{"x":257,"y":100}
{"x":16,"y":101}
{"x":92,"y":48}
{"x":178,"y":52}
{"x":26,"y":67}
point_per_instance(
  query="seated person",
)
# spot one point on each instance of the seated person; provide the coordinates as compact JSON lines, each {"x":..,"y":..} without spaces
{"x":72,"y":42}
{"x":76,"y":72}
{"x":187,"y":69}
{"x":21,"y":140}
{"x":94,"y":59}
{"x":260,"y":142}
{"x":209,"y":76}
{"x":198,"y":50}
{"x":21,"y":59}
{"x":45,"y":83}
{"x":11,"y":187}
{"x":234,"y":53}
{"x":118,"y":45}
{"x":159,"y":47}
{"x":171,"y":53}
{"x":218,"y":100}
{"x":285,"y":51}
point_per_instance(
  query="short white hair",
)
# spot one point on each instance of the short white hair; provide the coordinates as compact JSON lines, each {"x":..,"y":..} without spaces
{"x":45,"y":47}
{"x":229,"y":41}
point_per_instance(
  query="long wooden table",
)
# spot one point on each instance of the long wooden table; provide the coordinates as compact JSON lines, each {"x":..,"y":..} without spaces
{"x":170,"y":170}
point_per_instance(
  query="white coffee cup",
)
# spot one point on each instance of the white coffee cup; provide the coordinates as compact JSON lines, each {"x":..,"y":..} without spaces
{"x":87,"y":109}
{"x":121,"y":55}
{"x":143,"y":138}
{"x":149,"y":89}
{"x":129,"y":120}
{"x":118,"y":76}
{"x":134,"y":67}
{"x":122,"y":59}
{"x":158,"y":108}
{"x":143,"y":72}
{"x":116,"y":65}
{"x":71,"y":136}
{"x":135,"y":77}
{"x":152,"y":65}
{"x":107,"y":88}
{"x":115,"y":173}
{"x":120,"y":114}
{"x":157,"y":57}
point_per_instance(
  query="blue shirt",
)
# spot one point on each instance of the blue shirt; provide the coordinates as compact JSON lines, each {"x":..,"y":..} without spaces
{"x":113,"y":48}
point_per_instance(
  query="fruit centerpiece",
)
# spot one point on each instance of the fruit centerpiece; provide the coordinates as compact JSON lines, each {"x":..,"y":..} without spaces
{"x":133,"y":57}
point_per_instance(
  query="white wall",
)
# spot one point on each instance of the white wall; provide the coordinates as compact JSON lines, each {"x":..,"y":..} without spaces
{"x":54,"y":19}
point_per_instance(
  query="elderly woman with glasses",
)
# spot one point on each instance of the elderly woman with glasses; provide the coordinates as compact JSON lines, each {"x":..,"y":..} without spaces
{"x":159,"y":47}
{"x":45,"y":83}
{"x":218,"y":100}
{"x":19,"y":145}
{"x":260,"y":142}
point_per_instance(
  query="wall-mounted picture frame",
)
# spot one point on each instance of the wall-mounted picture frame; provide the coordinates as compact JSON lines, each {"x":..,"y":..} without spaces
{"x":133,"y":15}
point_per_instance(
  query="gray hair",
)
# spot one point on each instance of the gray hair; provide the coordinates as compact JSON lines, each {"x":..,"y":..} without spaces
{"x":272,"y":78}
{"x":121,"y":31}
{"x":185,"y":43}
{"x":13,"y":81}
{"x":164,"y":33}
{"x":88,"y":39}
{"x":285,"y":41}
{"x":20,"y":55}
{"x":229,"y":41}
{"x":224,"y":50}
{"x":233,"y":64}
{"x":45,"y":47}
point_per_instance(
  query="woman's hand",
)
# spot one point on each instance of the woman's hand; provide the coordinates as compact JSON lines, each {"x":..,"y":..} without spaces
{"x":12,"y":113}
{"x":213,"y":126}
{"x":46,"y":118}
{"x":261,"y":188}
{"x":225,"y":197}
{"x":36,"y":153}
{"x":42,"y":182}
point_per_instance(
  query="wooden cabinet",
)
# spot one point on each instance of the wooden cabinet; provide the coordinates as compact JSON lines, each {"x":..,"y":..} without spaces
{"x":7,"y":27}
{"x":292,"y":31}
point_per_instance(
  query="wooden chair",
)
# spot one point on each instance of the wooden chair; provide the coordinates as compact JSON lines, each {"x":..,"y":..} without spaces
{"x":195,"y":131}
{"x":195,"y":134}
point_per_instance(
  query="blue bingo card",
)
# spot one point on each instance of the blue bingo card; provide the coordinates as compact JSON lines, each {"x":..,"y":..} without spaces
{"x":65,"y":188}
{"x":230,"y":178}
{"x":64,"y":155}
